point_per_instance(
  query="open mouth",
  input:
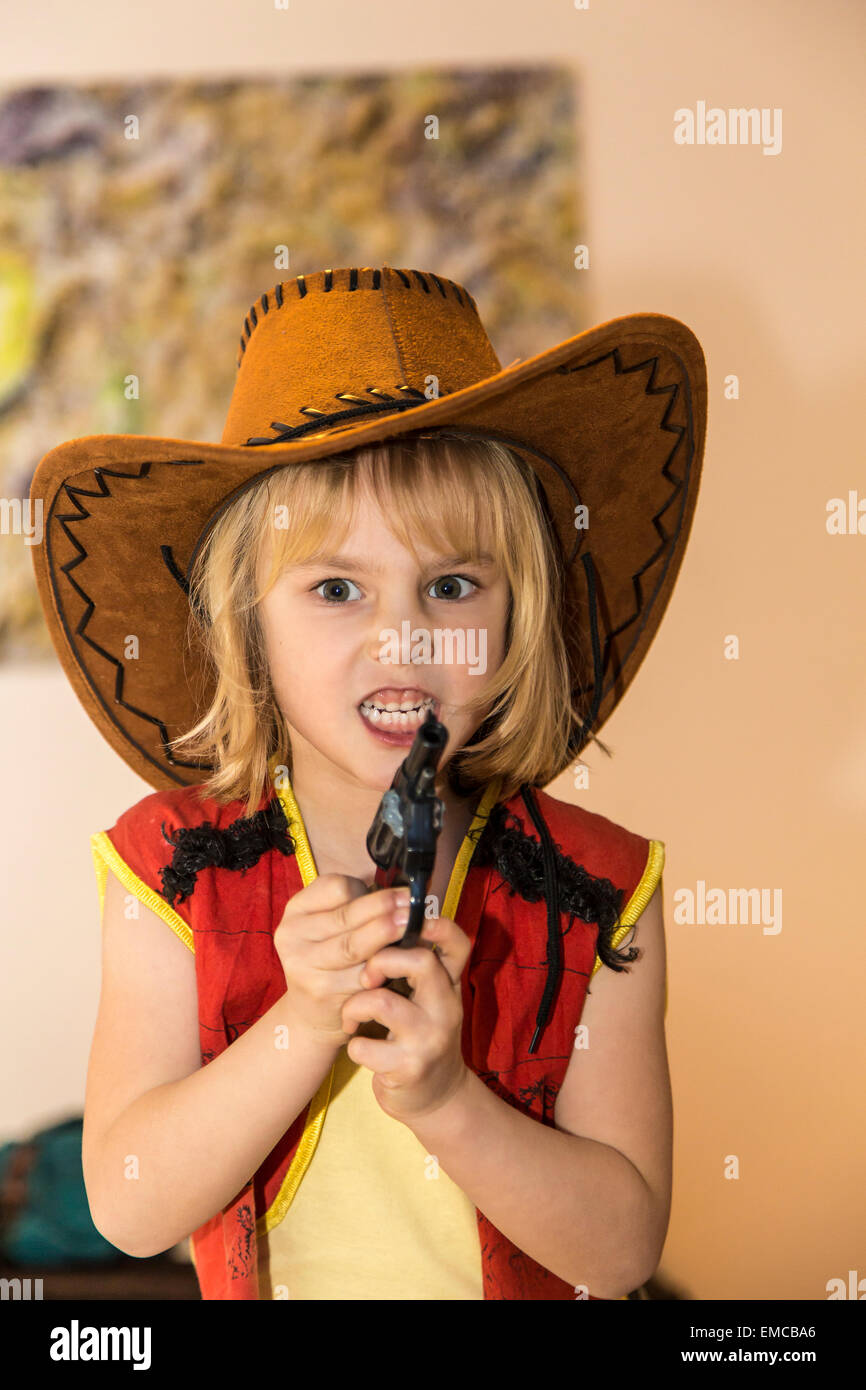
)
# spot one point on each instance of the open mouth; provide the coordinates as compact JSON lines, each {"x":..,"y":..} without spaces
{"x":397,"y":712}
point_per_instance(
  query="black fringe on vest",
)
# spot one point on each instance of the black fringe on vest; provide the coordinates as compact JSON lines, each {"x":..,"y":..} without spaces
{"x":239,"y":846}
{"x":532,"y":868}
{"x":537,"y":869}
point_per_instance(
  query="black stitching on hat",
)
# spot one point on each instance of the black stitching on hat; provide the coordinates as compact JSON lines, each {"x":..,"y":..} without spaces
{"x":174,"y":568}
{"x":73,"y":493}
{"x":254,"y":316}
{"x":599,"y":664}
{"x":666,"y":542}
{"x":183,"y":583}
{"x":464,"y":298}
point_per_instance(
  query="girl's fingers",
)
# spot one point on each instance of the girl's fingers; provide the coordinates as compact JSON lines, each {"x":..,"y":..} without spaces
{"x":373,"y":975}
{"x":339,"y":896}
{"x":385,"y":1007}
{"x":335,"y":904}
{"x":450,"y":943}
{"x":439,"y":936}
{"x":344,"y":953}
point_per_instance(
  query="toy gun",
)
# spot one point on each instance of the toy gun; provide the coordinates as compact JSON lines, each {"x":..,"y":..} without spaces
{"x":402,"y":839}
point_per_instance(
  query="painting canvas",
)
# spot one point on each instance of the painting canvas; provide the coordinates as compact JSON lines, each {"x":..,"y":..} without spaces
{"x":139,"y":221}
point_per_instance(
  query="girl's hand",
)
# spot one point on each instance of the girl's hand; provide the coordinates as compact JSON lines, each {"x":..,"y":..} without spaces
{"x":328,"y":931}
{"x":420,"y":1065}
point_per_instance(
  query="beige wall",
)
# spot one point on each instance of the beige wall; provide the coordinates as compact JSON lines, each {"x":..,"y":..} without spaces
{"x":754,"y":771}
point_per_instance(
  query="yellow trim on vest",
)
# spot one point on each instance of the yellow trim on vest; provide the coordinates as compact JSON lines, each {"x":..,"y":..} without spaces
{"x":301,"y":1159}
{"x":319,"y":1104}
{"x":106,"y":857}
{"x":641,"y":895}
{"x":467,"y":849}
{"x":297,"y":829}
{"x":635,"y":906}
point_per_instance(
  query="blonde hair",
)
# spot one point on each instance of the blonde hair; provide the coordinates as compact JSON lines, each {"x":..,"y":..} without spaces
{"x":463,"y":490}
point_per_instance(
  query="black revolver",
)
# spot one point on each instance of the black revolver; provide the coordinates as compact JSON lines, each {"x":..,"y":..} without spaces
{"x":402,"y":839}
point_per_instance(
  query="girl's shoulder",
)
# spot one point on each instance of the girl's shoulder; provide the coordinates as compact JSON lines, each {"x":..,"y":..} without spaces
{"x":143,"y":828}
{"x":179,"y":807}
{"x":158,"y":840}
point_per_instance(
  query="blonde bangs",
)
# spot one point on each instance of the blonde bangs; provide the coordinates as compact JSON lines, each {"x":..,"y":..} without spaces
{"x":419,"y":496}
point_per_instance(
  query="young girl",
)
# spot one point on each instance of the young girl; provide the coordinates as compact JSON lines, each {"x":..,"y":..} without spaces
{"x":510,"y":1136}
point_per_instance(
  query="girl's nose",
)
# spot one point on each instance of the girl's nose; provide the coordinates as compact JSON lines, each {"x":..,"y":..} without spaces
{"x":396,"y":616}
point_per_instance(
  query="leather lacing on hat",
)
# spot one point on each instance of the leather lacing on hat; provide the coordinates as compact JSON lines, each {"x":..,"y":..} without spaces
{"x":384,"y":404}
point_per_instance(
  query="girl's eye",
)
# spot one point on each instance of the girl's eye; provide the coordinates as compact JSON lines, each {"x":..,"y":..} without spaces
{"x":448,"y":581}
{"x":339,"y":590}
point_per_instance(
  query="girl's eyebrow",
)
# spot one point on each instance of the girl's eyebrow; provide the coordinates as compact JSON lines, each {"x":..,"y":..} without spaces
{"x":351,"y":562}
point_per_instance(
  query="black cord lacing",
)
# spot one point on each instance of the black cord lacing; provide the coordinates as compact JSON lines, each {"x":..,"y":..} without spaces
{"x":554,"y":940}
{"x":551,"y":897}
{"x":589,"y":570}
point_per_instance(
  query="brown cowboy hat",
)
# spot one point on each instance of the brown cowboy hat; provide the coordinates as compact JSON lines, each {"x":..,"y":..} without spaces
{"x":613,"y":418}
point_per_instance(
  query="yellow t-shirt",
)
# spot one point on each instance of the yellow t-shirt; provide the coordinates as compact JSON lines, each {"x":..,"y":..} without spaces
{"x":374,"y":1217}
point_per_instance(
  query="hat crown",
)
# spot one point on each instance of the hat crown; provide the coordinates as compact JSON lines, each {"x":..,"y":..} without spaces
{"x":339,"y":345}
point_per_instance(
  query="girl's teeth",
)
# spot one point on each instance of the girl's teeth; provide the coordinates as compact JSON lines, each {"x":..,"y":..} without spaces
{"x":392,"y":716}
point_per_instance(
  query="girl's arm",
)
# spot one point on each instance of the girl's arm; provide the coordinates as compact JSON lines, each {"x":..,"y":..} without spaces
{"x":167,"y":1142}
{"x":589,"y":1198}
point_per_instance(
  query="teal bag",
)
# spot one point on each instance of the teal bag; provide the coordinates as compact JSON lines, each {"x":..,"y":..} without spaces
{"x":53,"y":1226}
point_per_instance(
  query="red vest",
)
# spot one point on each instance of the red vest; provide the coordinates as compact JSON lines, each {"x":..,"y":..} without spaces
{"x":229,"y":921}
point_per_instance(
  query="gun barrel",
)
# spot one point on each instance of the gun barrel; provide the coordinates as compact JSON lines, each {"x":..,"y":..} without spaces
{"x":426,"y":751}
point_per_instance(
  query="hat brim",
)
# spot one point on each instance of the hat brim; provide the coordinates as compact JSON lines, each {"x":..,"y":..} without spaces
{"x":613,"y":418}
